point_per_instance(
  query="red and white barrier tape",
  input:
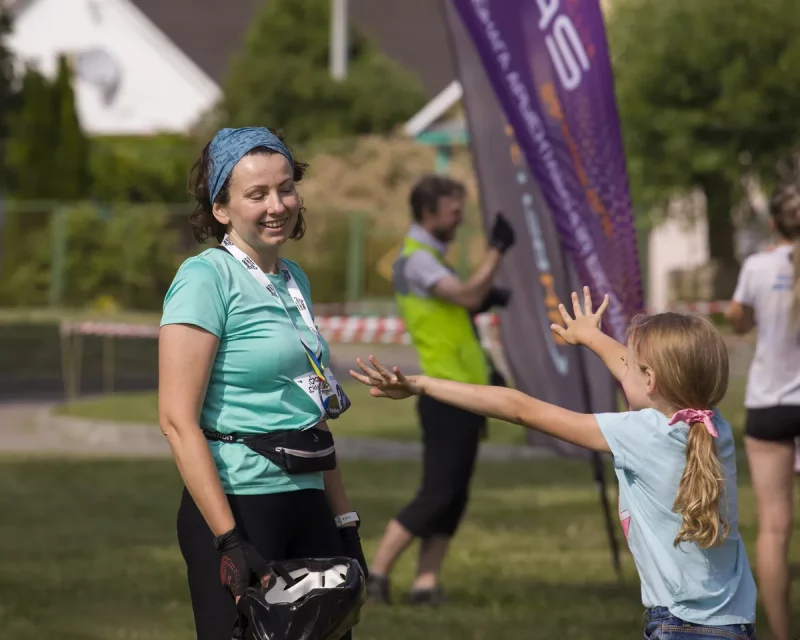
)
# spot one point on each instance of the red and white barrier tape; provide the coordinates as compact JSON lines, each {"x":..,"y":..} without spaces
{"x":335,"y":329}
{"x":349,"y":329}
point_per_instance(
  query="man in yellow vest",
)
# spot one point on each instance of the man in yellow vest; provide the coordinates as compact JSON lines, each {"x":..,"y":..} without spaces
{"x":436,"y":307}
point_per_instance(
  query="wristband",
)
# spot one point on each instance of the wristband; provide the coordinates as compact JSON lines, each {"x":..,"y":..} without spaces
{"x":347,"y":518}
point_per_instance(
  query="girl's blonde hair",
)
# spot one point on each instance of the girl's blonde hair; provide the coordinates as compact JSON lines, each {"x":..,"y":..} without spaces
{"x":785,"y":210}
{"x":689,"y":360}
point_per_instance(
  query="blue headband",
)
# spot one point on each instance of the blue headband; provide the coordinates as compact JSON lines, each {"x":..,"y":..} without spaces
{"x":231,"y":145}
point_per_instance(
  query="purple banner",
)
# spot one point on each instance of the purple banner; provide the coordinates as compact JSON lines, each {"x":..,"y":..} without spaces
{"x":548,"y":63}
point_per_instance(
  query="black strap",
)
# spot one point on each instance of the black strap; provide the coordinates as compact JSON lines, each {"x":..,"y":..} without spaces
{"x":281,"y":571}
{"x":222,"y":437}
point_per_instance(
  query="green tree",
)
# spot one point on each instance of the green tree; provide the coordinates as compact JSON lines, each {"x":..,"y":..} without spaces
{"x":7,"y":94}
{"x":32,"y":142}
{"x":706,"y":91}
{"x":282,"y":78}
{"x":71,"y":153}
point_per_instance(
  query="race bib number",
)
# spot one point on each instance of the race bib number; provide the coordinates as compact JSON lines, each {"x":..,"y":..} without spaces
{"x":327,"y":394}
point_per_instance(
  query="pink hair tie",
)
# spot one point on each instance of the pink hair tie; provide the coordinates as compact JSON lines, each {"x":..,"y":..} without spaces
{"x":693,"y":416}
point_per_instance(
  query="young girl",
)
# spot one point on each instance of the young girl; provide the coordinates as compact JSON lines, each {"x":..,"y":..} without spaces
{"x":673,"y":453}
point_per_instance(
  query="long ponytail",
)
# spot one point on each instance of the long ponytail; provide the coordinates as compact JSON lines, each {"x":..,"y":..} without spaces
{"x":701,"y":488}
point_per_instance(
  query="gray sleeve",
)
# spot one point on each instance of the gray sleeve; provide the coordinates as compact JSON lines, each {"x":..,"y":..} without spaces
{"x":423,"y":271}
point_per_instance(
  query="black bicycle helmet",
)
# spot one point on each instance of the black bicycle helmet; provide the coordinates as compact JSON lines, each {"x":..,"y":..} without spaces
{"x":312,"y":599}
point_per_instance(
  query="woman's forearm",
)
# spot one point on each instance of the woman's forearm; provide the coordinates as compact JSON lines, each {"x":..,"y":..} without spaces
{"x":334,"y":486}
{"x":196,"y":466}
{"x":335,"y":492}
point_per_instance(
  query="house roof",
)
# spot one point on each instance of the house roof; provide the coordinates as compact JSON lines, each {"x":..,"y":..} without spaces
{"x":411,"y":32}
{"x":209,"y":32}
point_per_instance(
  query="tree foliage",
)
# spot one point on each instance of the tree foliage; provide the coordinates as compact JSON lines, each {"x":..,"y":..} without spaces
{"x":72,"y":150}
{"x":282,"y":78}
{"x":7,"y":94}
{"x":707,"y":90}
{"x":48,"y":153}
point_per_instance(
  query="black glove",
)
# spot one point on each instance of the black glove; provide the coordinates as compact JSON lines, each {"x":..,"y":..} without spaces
{"x":238,"y":561}
{"x":497,"y":297}
{"x":351,"y":543}
{"x":502,"y":235}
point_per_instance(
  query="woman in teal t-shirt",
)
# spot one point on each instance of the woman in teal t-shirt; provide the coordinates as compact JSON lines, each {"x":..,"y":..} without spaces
{"x":245,"y":386}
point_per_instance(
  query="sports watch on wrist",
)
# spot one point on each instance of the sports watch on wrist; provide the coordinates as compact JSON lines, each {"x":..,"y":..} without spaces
{"x":347,"y":518}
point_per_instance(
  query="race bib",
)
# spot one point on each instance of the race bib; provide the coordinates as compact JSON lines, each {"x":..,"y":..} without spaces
{"x":328,"y":395}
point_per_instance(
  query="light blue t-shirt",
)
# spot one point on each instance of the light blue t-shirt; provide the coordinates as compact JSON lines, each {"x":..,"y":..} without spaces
{"x":252,"y":386}
{"x":705,"y":586}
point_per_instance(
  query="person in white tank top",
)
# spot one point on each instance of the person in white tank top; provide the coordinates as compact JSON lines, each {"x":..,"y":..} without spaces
{"x":767,"y":297}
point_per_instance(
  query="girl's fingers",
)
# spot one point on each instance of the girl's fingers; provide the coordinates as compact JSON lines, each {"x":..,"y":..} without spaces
{"x":576,"y":307}
{"x":564,"y":315}
{"x":363,"y":379}
{"x":587,"y":301}
{"x":558,"y":330}
{"x":371,"y":373}
{"x":387,"y":375}
{"x":601,"y":309}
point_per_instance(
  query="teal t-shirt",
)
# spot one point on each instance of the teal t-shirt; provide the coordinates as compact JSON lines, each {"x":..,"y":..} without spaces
{"x":705,"y":586}
{"x":252,"y":385}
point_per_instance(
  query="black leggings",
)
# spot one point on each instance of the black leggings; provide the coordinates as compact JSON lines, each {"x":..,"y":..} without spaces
{"x":294,"y":524}
{"x":450,"y":440}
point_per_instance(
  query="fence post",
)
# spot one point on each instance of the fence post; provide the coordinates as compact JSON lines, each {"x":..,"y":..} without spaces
{"x":108,"y":364}
{"x":355,"y":257}
{"x":59,"y":249}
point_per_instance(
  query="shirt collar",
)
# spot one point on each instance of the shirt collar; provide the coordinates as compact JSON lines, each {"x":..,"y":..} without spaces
{"x":422,"y":236}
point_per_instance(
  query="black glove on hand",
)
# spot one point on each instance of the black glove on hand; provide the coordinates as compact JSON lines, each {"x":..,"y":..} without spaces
{"x":238,"y":561}
{"x":502,"y":236}
{"x":497,"y":297}
{"x":351,"y":543}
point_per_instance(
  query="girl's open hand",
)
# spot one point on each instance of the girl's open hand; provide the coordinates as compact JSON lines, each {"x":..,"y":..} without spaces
{"x":385,"y":383}
{"x":579,"y":329}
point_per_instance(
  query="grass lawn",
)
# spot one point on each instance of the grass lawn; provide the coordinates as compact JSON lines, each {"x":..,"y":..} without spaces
{"x":367,"y":418}
{"x":90,"y":553}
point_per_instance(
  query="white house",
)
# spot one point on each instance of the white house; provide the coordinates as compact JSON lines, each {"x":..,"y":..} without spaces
{"x":130,"y":77}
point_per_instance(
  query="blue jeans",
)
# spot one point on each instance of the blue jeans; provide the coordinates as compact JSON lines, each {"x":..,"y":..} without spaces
{"x":660,"y":624}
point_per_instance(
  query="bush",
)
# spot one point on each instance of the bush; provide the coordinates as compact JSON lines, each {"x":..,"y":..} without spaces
{"x":125,"y":257}
{"x":142,"y":169}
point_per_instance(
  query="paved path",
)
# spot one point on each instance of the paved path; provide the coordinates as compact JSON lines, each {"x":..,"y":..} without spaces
{"x":31,"y":428}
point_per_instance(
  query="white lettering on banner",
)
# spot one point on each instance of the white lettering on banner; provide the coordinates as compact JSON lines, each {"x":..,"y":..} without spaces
{"x":537,"y":132}
{"x":563,"y":44}
{"x":562,"y":54}
{"x":548,"y":311}
{"x":548,"y":9}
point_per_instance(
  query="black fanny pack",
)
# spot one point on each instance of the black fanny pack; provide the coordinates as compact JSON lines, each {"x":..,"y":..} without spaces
{"x":294,"y":451}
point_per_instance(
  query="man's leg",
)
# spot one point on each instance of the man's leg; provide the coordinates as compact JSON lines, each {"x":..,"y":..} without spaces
{"x":452,"y":440}
{"x":432,"y":552}
{"x":395,"y":540}
{"x":410,"y":523}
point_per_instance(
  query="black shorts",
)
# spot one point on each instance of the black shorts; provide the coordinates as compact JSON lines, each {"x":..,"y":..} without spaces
{"x":450,"y":441}
{"x":774,"y":424}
